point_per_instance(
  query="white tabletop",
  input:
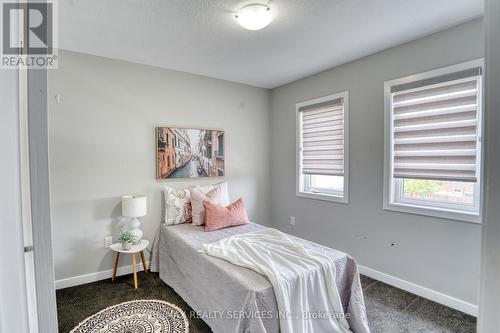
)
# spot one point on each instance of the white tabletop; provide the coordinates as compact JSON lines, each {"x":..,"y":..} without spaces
{"x":142,"y":245}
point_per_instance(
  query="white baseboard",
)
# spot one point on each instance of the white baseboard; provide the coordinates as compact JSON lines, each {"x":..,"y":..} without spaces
{"x":97,"y":276}
{"x":435,"y":296}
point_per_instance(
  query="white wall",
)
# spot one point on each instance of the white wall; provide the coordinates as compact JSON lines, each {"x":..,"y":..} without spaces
{"x":102,"y":146}
{"x":438,"y":254}
{"x":489,"y":319}
{"x":13,"y":297}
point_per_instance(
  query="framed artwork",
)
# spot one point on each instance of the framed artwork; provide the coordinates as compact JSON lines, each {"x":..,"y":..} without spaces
{"x":189,"y":153}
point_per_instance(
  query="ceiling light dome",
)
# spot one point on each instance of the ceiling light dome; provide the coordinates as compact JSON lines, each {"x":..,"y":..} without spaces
{"x":254,"y":16}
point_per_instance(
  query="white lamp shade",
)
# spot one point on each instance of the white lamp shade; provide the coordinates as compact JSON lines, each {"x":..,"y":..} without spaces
{"x":134,"y":205}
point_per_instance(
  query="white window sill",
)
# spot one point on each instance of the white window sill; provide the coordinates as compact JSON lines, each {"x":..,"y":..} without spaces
{"x":443,"y":213}
{"x":322,"y":196}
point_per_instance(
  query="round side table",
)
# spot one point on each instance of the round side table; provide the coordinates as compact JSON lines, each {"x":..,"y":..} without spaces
{"x":138,"y":248}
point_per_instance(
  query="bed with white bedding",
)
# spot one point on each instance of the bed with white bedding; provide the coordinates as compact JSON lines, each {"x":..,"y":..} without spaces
{"x":231,"y":298}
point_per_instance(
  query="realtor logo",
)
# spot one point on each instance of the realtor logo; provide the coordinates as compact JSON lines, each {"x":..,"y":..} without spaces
{"x":29,"y":34}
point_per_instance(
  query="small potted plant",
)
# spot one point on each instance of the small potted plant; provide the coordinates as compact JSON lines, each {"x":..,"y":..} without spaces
{"x":127,"y":239}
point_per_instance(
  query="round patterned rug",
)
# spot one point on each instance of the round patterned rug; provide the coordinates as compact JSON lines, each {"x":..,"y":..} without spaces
{"x":141,"y":316}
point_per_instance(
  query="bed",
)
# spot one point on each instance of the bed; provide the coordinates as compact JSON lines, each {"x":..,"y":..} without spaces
{"x":230,"y":298}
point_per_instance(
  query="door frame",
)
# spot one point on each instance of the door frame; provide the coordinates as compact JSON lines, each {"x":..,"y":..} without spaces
{"x":35,"y":197}
{"x":489,"y":303}
{"x":39,"y":190}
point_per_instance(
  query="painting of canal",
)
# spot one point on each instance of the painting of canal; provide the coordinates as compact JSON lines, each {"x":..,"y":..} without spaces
{"x":188,"y":153}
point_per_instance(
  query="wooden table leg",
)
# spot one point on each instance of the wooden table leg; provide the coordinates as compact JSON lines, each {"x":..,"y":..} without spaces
{"x":135,"y":270}
{"x":117,"y":256}
{"x":144,"y":265}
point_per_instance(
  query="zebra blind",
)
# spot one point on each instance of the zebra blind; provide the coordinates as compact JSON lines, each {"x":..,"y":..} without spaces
{"x":435,"y":128}
{"x":322,"y":138}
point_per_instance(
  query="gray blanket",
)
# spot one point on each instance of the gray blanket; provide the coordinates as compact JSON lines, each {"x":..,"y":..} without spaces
{"x":230,"y":298}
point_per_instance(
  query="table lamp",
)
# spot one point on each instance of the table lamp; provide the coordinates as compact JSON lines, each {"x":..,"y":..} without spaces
{"x":134,"y":206}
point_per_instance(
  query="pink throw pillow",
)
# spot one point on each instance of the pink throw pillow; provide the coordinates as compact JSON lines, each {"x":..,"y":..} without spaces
{"x":197,"y":197}
{"x":218,"y":217}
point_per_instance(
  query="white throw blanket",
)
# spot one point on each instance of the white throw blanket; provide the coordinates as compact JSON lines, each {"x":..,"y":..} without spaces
{"x":303,"y":280}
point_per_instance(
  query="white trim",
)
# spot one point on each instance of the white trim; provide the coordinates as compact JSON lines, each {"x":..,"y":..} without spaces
{"x":97,"y":276}
{"x":299,"y":192}
{"x":26,"y":200}
{"x":449,"y":301}
{"x":437,"y":72}
{"x":428,"y":210}
{"x":322,"y":196}
{"x":390,"y":188}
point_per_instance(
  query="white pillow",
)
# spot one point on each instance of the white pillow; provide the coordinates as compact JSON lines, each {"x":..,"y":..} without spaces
{"x":177,"y":205}
{"x":224,"y":192}
{"x":178,"y":202}
{"x":197,"y":199}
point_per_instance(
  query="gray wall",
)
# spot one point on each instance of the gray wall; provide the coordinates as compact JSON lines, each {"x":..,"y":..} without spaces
{"x":438,"y":254}
{"x":102,"y":146}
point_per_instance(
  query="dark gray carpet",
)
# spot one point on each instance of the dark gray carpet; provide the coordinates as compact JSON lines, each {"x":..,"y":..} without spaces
{"x":390,"y":310}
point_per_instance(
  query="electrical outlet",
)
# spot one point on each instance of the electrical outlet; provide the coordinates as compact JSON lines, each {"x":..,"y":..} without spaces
{"x":108,"y":241}
{"x":292,"y":220}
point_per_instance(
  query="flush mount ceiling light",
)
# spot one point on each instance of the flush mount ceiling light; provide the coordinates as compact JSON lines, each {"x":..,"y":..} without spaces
{"x":254,"y":16}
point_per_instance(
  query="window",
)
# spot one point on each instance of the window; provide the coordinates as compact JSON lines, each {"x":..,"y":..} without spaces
{"x":322,"y":148}
{"x":433,"y":143}
{"x":220,"y":144}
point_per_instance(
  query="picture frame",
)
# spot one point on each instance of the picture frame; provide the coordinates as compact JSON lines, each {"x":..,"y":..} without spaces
{"x":189,"y":152}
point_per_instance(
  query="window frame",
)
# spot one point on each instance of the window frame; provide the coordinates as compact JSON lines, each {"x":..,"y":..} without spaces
{"x":301,"y":179}
{"x":393,"y":199}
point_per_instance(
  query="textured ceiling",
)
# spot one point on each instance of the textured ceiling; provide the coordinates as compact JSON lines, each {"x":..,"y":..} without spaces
{"x":202,"y":37}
